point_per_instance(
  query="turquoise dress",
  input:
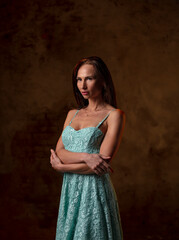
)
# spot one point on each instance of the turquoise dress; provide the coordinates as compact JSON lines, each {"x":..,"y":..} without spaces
{"x":88,"y":204}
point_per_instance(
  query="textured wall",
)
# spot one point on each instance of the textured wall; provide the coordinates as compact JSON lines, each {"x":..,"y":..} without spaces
{"x":40,"y":43}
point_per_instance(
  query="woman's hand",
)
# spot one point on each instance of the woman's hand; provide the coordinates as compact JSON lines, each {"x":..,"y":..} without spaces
{"x":55,"y":161}
{"x":98,"y":163}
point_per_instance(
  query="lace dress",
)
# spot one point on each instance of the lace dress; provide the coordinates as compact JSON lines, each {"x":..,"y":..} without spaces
{"x":88,"y":204}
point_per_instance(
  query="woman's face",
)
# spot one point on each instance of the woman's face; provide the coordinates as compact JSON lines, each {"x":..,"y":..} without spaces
{"x":88,"y":82}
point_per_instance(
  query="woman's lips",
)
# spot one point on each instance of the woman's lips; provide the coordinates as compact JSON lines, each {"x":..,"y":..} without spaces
{"x":85,"y":93}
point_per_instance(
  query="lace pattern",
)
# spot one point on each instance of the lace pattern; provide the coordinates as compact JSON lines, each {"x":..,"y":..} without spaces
{"x":88,"y":204}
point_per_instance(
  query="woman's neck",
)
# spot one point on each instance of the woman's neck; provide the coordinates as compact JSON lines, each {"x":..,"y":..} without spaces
{"x":96,"y":104}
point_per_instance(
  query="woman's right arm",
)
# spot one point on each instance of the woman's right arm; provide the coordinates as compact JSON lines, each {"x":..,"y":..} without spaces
{"x":67,"y":156}
{"x":80,"y":168}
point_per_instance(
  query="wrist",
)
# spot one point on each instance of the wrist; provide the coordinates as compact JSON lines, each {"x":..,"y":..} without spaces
{"x":85,"y":157}
{"x":63,"y":168}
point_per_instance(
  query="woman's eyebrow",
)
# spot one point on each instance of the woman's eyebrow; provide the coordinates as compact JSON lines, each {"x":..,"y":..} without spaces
{"x":91,"y":76}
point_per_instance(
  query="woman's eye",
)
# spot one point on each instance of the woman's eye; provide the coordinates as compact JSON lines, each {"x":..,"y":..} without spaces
{"x":78,"y":79}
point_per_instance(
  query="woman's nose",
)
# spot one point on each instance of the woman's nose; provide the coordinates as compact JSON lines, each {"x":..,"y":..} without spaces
{"x":84,"y":84}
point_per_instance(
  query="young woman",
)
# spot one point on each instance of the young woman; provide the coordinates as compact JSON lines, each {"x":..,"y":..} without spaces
{"x":90,"y":138}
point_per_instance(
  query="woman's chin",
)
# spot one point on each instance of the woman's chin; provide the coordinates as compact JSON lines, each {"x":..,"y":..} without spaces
{"x":85,"y":96}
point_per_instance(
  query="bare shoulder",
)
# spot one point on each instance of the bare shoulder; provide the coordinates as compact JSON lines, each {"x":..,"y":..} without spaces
{"x":69,"y":116}
{"x":116,"y":117}
{"x":118,"y":113}
{"x":71,"y":112}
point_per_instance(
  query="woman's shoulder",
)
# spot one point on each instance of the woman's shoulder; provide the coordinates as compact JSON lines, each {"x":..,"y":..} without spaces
{"x":116,"y":117}
{"x":72,"y":112}
{"x":115,"y":111}
{"x":120,"y":111}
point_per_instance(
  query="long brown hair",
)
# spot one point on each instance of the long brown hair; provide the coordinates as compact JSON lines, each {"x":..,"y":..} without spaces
{"x":108,"y":91}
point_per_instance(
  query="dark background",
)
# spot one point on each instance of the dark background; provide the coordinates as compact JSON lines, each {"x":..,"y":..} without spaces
{"x":41,"y":41}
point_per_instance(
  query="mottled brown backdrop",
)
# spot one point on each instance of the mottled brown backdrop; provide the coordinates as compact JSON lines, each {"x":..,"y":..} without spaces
{"x":41,"y":40}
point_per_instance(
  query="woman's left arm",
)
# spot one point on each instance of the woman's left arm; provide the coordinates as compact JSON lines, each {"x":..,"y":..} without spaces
{"x":116,"y":123}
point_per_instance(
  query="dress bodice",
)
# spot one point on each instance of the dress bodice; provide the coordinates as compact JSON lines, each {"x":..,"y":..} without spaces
{"x":83,"y":140}
{"x":87,"y":139}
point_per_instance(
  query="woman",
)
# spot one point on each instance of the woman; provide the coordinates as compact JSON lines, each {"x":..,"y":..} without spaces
{"x":88,"y":204}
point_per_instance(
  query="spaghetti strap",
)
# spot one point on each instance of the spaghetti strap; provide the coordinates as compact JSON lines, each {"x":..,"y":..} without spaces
{"x":74,"y":116}
{"x":104,"y":118}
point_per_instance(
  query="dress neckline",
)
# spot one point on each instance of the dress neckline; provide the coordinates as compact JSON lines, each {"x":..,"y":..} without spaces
{"x":90,"y":127}
{"x":84,"y":128}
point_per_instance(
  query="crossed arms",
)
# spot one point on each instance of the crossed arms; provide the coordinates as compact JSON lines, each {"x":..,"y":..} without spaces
{"x":63,"y":160}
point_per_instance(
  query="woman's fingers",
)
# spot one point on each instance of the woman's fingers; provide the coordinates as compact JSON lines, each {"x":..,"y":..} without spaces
{"x":52,"y":160}
{"x":107,"y":166}
{"x":98,"y":172}
{"x":104,"y":167}
{"x":53,"y":153}
{"x":100,"y":169}
{"x":55,"y":158}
